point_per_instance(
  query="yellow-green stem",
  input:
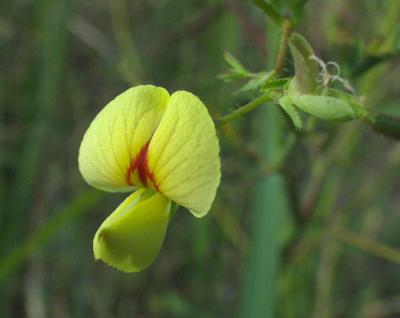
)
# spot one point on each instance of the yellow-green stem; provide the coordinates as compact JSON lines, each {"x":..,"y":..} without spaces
{"x":240,"y":112}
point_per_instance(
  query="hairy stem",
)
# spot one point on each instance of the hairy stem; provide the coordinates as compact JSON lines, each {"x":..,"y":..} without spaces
{"x":287,"y":28}
{"x":240,"y":112}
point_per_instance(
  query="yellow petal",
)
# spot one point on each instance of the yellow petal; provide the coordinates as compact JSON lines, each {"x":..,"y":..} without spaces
{"x":118,"y":134}
{"x":131,"y":237}
{"x":183,"y":154}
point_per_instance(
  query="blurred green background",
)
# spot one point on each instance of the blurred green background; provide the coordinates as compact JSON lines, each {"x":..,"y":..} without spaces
{"x":306,"y":226}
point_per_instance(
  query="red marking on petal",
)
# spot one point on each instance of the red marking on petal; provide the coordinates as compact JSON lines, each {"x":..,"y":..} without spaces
{"x":140,"y":165}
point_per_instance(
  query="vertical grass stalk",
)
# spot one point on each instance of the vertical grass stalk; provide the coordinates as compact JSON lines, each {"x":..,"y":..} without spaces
{"x":270,"y":203}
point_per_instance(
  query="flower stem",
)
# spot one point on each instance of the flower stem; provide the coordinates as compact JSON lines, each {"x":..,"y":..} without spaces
{"x":240,"y":112}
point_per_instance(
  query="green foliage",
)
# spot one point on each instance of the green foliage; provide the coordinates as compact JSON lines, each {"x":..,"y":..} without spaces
{"x":305,"y":68}
{"x":287,"y":106}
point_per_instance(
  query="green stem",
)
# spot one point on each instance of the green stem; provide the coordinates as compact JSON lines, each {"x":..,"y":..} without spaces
{"x":368,"y":245}
{"x":287,"y":28}
{"x":387,"y":125}
{"x":270,"y":204}
{"x":240,"y":112}
{"x":269,"y":11}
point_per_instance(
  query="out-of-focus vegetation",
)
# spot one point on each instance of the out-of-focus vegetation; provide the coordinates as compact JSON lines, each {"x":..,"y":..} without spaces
{"x":333,"y":198}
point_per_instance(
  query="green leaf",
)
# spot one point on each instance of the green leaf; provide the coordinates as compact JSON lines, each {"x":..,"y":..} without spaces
{"x":306,"y":70}
{"x":237,"y":70}
{"x":287,"y":106}
{"x":234,"y":63}
{"x":258,"y":81}
{"x":232,"y":76}
{"x":270,"y":11}
{"x":275,"y":83}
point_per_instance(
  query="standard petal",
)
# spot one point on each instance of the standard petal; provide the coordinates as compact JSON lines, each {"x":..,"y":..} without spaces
{"x":183,"y":154}
{"x":131,"y":237}
{"x":118,"y":135}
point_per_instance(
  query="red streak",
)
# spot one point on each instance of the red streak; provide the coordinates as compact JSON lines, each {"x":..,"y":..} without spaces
{"x":140,"y":164}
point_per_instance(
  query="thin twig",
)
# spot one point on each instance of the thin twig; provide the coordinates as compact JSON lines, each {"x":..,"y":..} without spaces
{"x":240,"y":112}
{"x":270,"y":11}
{"x":366,"y":244}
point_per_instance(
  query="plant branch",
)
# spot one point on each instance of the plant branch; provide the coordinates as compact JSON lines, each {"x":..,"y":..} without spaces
{"x":387,"y":125}
{"x":269,"y":11}
{"x":240,"y":112}
{"x":287,"y":28}
{"x":366,"y":244}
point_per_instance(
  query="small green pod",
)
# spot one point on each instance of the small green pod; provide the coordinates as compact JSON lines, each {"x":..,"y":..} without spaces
{"x":352,"y":100}
{"x":325,"y":107}
{"x":321,"y":106}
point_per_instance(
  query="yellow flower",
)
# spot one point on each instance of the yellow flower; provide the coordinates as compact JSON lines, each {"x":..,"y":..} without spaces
{"x":164,"y":147}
